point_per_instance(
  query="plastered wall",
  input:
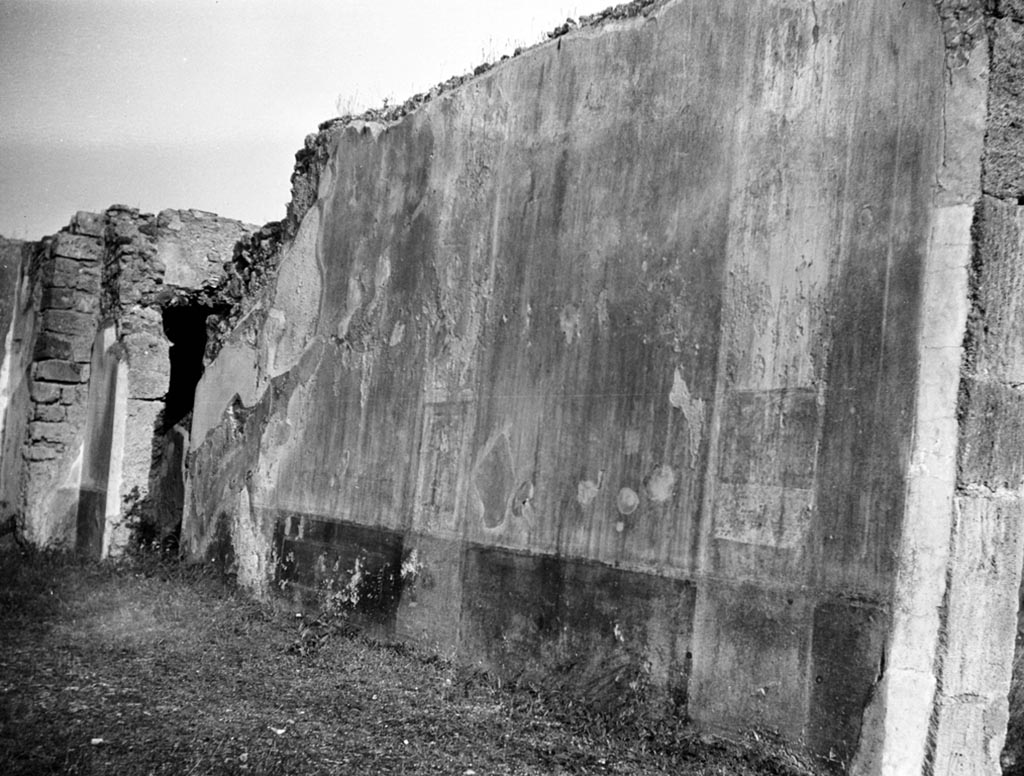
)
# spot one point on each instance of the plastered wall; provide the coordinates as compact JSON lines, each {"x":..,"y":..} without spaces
{"x":634,"y":361}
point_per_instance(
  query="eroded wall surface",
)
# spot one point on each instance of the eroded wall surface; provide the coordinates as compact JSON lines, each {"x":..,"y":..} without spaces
{"x":15,"y":267}
{"x":605,"y":364}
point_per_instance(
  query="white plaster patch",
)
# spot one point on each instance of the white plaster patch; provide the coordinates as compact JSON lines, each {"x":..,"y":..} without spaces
{"x":586,"y":492}
{"x":397,"y":335}
{"x":627,"y":501}
{"x":692,"y":409}
{"x":569,"y":322}
{"x":353,"y":299}
{"x":382,"y":274}
{"x":602,"y":310}
{"x":661,"y":484}
{"x":233,"y":372}
{"x":297,"y":298}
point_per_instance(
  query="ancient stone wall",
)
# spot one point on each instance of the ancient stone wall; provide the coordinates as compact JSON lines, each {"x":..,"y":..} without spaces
{"x":634,"y":361}
{"x":15,"y":358}
{"x":86,"y":367}
{"x":674,"y":360}
{"x":989,"y":527}
{"x":67,"y":307}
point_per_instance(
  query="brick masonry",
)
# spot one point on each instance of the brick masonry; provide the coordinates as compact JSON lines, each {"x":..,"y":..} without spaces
{"x":118,"y":270}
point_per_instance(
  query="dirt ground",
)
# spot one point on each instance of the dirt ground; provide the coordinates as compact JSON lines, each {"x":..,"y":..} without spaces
{"x":147,"y":667}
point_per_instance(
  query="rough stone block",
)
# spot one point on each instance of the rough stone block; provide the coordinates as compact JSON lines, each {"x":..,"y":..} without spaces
{"x":984,"y":579}
{"x":122,"y":228}
{"x":997,"y":330}
{"x":74,"y":394}
{"x":76,"y":246}
{"x":57,"y":298}
{"x":969,"y":735}
{"x":86,"y":302}
{"x":44,"y":393}
{"x":63,"y":273}
{"x":58,"y":371}
{"x":42,"y":431}
{"x":49,"y":413}
{"x":89,"y":281}
{"x":89,"y":224}
{"x":77,"y":415}
{"x":42,"y":452}
{"x":141,"y":421}
{"x":1004,"y":147}
{"x":64,"y":347}
{"x":69,"y":322}
{"x":149,"y":366}
{"x":991,"y":435}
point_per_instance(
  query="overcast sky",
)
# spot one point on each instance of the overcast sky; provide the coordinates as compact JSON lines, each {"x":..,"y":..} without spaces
{"x":203,"y":103}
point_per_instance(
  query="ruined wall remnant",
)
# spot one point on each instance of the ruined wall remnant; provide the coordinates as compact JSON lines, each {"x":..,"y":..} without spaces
{"x":634,"y":360}
{"x":677,"y":358}
{"x":15,"y":357}
{"x":86,"y":366}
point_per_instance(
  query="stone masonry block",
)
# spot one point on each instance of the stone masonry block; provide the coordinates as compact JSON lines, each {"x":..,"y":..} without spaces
{"x":50,"y":345}
{"x":64,"y":347}
{"x":984,"y":577}
{"x":68,"y":273}
{"x":991,"y":449}
{"x":77,"y":246}
{"x":89,"y":281}
{"x":74,"y":394}
{"x":69,"y":298}
{"x":42,"y":452}
{"x":44,"y":393}
{"x":149,"y":366}
{"x":57,"y":298}
{"x":89,"y":224}
{"x":997,"y":331}
{"x":86,"y":302}
{"x":1004,"y":147}
{"x":69,"y":322}
{"x":969,"y":735}
{"x":64,"y":273}
{"x":58,"y":371}
{"x":42,"y":431}
{"x":49,"y":413}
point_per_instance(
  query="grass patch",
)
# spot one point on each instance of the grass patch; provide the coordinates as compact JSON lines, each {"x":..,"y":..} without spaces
{"x":146,"y":667}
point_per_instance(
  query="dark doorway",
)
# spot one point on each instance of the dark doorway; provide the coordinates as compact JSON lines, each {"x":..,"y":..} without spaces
{"x":185,"y":325}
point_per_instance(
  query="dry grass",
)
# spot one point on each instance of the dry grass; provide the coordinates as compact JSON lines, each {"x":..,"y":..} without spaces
{"x":147,"y":668}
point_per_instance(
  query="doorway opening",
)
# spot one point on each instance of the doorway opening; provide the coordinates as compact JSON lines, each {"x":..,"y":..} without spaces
{"x":185,"y":326}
